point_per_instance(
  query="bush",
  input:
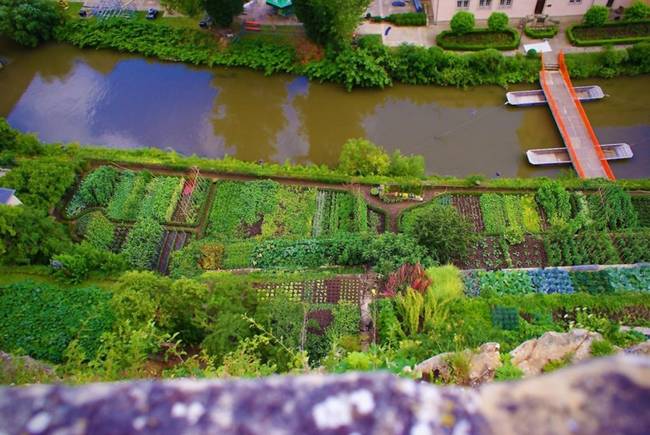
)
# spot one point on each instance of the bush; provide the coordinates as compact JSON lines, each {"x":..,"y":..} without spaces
{"x":462,"y":22}
{"x":602,"y":348}
{"x":29,"y":22}
{"x":76,"y":264}
{"x":639,"y":10}
{"x":541,"y":32}
{"x":406,"y":166}
{"x":596,"y":15}
{"x":442,"y":231}
{"x":362,"y":157}
{"x":497,"y":21}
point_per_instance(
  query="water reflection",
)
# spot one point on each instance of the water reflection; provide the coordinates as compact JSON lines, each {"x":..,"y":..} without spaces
{"x":107,"y":98}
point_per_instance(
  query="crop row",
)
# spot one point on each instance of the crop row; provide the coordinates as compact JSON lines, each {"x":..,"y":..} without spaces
{"x":266,"y":209}
{"x":556,"y":281}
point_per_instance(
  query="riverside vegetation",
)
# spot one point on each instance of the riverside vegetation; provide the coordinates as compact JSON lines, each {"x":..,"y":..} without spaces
{"x":98,"y":313}
{"x":362,"y":63}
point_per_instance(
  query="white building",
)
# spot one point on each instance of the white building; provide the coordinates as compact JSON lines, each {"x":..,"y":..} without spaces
{"x":444,"y":10}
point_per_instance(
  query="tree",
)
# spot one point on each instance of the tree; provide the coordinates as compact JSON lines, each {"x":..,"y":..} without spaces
{"x":497,"y":21}
{"x":330,"y":22}
{"x":29,"y":22}
{"x":638,"y":11}
{"x":29,"y":236}
{"x":41,"y":183}
{"x":596,"y":16}
{"x":362,"y":157}
{"x":223,"y":11}
{"x":462,"y":22}
{"x":406,"y":166}
{"x":442,"y":231}
{"x":191,"y":8}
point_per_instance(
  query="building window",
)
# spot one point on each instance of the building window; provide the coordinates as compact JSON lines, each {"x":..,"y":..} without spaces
{"x":484,"y":3}
{"x":575,"y":2}
{"x":464,"y":4}
{"x":505,"y":3}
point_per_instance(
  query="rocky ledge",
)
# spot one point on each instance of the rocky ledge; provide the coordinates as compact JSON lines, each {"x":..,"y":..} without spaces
{"x":600,"y":396}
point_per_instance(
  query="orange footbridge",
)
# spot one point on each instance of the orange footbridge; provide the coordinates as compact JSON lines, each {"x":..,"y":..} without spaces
{"x":578,"y":135}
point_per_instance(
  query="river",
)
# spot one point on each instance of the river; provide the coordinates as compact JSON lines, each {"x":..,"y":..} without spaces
{"x":119,"y":100}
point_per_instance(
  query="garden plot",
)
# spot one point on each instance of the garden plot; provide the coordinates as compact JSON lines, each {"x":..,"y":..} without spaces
{"x":193,"y":196}
{"x":516,"y":213}
{"x":642,"y":206}
{"x":488,"y":253}
{"x":261,"y":209}
{"x":127,"y":195}
{"x":342,"y":212}
{"x":172,"y":241}
{"x":469,"y":206}
{"x":529,"y":253}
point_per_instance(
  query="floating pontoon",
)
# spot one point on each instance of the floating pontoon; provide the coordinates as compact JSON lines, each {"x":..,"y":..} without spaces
{"x":537,"y":98}
{"x":559,"y":156}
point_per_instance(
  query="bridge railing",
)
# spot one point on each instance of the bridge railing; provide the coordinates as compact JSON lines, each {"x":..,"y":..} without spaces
{"x":560,"y":122}
{"x":583,"y":116}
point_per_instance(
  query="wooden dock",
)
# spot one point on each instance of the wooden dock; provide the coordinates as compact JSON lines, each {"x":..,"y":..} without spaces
{"x":581,"y":142}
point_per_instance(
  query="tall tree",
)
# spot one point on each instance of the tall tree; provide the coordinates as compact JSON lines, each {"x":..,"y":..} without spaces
{"x":223,"y":11}
{"x":330,"y":22}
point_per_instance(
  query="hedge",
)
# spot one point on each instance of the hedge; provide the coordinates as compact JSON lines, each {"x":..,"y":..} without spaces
{"x":609,"y":38}
{"x":541,"y":32}
{"x":408,"y":19}
{"x":446,"y":40}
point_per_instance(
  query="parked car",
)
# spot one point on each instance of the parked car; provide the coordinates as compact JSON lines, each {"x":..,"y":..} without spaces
{"x":151,"y":14}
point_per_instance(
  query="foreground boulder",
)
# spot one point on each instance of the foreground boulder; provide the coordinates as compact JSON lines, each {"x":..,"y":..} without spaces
{"x":482,"y":366}
{"x":531,"y":356}
{"x":370,"y":403}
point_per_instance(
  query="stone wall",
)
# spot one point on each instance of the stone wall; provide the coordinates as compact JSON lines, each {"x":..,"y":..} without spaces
{"x":602,"y":396}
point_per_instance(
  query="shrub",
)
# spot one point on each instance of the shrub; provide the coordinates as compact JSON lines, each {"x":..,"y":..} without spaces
{"x":541,"y":32}
{"x":389,"y":251}
{"x":639,"y":10}
{"x":507,"y":371}
{"x":596,"y":15}
{"x":29,"y":22}
{"x":602,"y":348}
{"x":497,"y":21}
{"x":362,"y":157}
{"x":76,"y":264}
{"x":639,"y":55}
{"x":406,"y":166}
{"x":442,"y":231}
{"x":462,"y":22}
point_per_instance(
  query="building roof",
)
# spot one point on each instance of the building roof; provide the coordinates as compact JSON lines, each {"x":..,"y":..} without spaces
{"x":5,"y":195}
{"x":280,"y":4}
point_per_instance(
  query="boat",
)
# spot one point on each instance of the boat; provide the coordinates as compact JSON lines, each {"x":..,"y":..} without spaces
{"x":536,"y":97}
{"x":559,"y":156}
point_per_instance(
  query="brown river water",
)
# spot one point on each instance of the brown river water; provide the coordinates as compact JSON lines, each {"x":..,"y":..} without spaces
{"x":125,"y":101}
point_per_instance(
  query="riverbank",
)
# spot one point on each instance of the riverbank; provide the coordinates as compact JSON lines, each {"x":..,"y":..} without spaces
{"x":368,"y":64}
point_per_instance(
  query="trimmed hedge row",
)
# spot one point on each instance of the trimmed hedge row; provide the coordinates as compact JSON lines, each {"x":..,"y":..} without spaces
{"x":452,"y":41}
{"x":610,"y":37}
{"x":541,"y":32}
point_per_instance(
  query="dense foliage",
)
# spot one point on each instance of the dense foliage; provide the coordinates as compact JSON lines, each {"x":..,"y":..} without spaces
{"x":223,"y":11}
{"x":328,"y":22}
{"x":497,"y":21}
{"x":29,"y":22}
{"x":41,"y":320}
{"x":143,"y":243}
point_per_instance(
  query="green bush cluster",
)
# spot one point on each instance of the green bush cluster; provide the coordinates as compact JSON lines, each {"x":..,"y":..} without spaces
{"x":541,"y":32}
{"x":617,"y":32}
